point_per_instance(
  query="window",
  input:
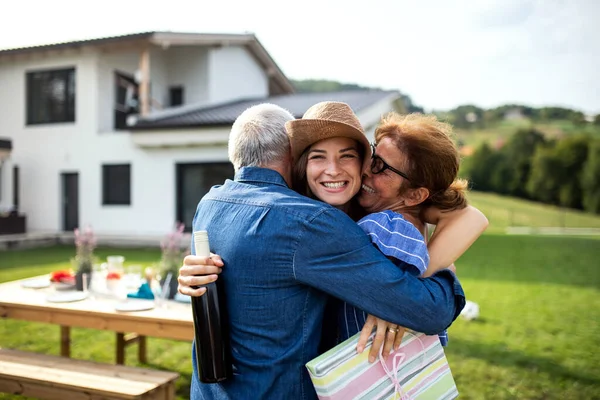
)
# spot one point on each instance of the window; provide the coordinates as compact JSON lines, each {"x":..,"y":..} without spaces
{"x":176,"y":96}
{"x":51,"y":96}
{"x":116,"y":184}
{"x":193,"y":182}
{"x":126,"y":99}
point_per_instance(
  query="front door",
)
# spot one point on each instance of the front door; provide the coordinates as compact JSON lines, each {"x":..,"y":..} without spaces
{"x":70,"y":201}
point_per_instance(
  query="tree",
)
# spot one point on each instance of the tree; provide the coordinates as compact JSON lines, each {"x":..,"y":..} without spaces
{"x":572,"y":152}
{"x":590,"y":179}
{"x":480,"y":167}
{"x":544,"y":181}
{"x":519,"y":151}
{"x":597,"y":120}
{"x":467,"y":116}
{"x":322,"y":85}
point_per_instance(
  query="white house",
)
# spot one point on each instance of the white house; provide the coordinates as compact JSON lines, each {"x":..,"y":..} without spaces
{"x":127,"y":133}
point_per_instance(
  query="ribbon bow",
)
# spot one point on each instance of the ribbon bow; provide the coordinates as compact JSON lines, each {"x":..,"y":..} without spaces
{"x":396,"y":363}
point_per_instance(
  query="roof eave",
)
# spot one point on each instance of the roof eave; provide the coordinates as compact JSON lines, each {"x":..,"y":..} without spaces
{"x":158,"y":126}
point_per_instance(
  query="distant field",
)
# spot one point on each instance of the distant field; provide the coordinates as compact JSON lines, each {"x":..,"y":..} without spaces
{"x":498,"y":134}
{"x":504,"y":211}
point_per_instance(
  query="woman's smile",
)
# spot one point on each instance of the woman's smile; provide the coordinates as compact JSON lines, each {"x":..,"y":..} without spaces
{"x":333,"y":170}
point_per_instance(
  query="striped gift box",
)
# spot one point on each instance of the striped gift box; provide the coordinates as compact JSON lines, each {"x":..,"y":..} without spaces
{"x":417,"y":370}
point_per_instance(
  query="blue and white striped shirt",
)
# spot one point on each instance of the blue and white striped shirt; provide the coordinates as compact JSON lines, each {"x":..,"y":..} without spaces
{"x":402,"y":243}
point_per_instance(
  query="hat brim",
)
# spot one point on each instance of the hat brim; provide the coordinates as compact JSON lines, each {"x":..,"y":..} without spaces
{"x":303,"y":133}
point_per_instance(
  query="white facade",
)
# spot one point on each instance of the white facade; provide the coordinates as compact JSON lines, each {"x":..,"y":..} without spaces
{"x":43,"y":152}
{"x":209,"y":74}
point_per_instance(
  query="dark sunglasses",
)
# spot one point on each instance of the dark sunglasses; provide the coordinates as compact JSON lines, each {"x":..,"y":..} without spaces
{"x":378,"y":165}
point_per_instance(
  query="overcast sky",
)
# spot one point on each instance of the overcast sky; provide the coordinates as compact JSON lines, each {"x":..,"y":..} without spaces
{"x":442,"y":53}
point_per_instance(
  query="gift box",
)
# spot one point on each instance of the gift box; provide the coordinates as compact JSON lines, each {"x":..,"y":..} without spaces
{"x":417,"y":370}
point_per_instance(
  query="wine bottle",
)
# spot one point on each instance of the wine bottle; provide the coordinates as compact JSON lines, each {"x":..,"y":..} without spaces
{"x":211,"y":325}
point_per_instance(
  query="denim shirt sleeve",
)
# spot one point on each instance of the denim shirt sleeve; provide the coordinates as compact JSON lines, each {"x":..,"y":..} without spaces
{"x":334,"y":255}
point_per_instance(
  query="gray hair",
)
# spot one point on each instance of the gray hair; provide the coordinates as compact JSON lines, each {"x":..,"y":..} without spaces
{"x":258,"y":136}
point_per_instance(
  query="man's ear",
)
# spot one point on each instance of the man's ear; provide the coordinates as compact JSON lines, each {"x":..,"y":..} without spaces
{"x":414,"y":197}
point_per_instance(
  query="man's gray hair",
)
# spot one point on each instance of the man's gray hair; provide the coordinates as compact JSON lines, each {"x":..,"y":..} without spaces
{"x":258,"y":137}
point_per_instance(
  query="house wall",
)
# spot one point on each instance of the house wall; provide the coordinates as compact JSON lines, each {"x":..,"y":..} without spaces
{"x":188,"y":67}
{"x":235,"y":74}
{"x":6,"y":193}
{"x":43,"y":152}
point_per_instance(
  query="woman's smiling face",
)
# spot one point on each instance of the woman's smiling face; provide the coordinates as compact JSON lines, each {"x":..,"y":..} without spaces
{"x":383,"y":191}
{"x":333,"y":170}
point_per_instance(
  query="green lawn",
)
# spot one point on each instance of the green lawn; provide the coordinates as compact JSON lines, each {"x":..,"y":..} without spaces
{"x":504,"y":211}
{"x":536,"y":338}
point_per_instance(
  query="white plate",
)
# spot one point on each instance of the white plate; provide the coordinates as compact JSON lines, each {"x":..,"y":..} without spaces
{"x":66,"y":297}
{"x":135,"y":305}
{"x":36,"y":283}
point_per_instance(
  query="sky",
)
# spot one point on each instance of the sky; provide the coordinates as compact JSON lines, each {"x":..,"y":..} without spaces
{"x":442,"y":53}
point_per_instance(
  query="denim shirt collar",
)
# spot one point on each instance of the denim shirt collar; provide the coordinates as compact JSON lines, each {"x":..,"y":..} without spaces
{"x":260,"y":175}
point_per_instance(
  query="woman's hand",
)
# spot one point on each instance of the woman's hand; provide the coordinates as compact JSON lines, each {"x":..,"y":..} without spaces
{"x":198,"y":271}
{"x":386,"y":331}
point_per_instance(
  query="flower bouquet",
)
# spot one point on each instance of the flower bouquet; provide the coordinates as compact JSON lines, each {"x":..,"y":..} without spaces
{"x":85,"y":243}
{"x":172,"y":258}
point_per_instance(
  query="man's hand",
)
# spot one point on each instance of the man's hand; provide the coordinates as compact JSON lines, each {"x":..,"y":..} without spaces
{"x":391,"y":333}
{"x":198,"y":271}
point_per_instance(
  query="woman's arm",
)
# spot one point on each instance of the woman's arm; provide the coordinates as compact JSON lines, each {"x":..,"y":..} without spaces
{"x":454,"y":233}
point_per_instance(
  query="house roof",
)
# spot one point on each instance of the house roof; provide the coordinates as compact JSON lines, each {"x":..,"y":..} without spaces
{"x":166,"y":39}
{"x":226,"y":113}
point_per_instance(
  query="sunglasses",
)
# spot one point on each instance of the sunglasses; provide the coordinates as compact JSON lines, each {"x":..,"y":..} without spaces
{"x":378,"y":165}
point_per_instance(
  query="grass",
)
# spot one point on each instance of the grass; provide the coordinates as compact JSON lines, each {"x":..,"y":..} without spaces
{"x":536,"y":337}
{"x":503,"y":212}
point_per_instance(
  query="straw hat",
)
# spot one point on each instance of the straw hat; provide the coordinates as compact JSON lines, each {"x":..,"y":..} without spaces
{"x":326,"y":120}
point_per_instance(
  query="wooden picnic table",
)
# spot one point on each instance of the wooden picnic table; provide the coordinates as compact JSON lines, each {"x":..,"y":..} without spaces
{"x":172,"y":320}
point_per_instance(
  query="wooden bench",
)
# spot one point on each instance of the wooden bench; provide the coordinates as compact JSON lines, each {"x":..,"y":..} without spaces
{"x":58,"y":378}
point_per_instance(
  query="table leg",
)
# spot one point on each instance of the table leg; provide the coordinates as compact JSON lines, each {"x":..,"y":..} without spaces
{"x":120,"y":346}
{"x":142,"y":349}
{"x":65,"y":341}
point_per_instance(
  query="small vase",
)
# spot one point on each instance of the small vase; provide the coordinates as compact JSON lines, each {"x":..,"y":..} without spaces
{"x":79,"y":280}
{"x":173,"y":286}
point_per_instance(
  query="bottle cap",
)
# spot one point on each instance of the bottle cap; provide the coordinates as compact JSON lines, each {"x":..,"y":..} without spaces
{"x":200,"y":236}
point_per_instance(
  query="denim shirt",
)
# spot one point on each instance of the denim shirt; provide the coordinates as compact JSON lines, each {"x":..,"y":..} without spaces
{"x":284,"y":254}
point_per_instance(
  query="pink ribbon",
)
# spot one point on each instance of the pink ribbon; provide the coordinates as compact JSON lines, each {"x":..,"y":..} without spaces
{"x":396,"y":362}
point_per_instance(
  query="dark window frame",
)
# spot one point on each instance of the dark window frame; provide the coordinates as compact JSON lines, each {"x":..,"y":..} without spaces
{"x":114,"y":196}
{"x":176,"y":96}
{"x":16,"y":187}
{"x":122,"y":110}
{"x":35,"y":100}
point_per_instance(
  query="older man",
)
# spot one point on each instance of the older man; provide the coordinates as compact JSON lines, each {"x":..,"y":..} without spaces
{"x":285,"y":254}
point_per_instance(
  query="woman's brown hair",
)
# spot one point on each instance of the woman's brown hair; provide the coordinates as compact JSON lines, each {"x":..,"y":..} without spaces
{"x":433,"y":159}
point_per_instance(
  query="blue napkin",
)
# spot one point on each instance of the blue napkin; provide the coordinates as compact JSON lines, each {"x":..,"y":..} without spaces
{"x":144,"y":292}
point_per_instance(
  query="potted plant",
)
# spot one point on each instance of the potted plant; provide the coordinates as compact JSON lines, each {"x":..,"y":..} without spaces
{"x":173,"y":252}
{"x":85,"y":243}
